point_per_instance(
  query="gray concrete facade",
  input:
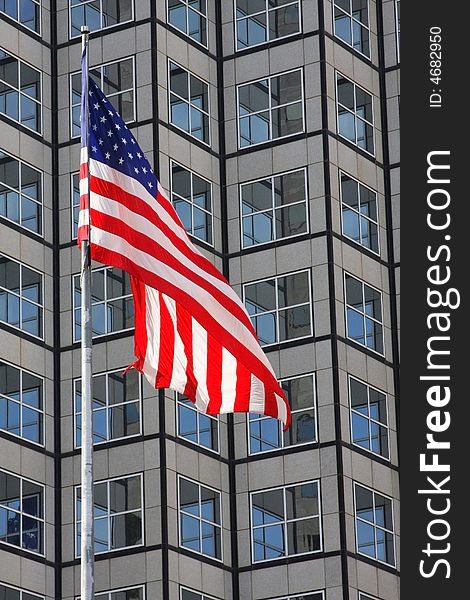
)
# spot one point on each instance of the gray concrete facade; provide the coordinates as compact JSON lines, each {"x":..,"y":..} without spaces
{"x":358,"y":557}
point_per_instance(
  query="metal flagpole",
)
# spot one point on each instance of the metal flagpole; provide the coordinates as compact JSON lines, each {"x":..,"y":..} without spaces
{"x":87,"y":534}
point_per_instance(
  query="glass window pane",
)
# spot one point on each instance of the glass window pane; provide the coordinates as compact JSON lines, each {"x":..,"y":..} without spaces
{"x":289,"y":188}
{"x":359,"y":11}
{"x":254,"y":129}
{"x":354,"y":292}
{"x":355,"y":323}
{"x":287,"y":120}
{"x":181,"y":181}
{"x":269,"y":542}
{"x":250,"y":7}
{"x":9,"y":381}
{"x":293,"y":289}
{"x":30,"y":81}
{"x":253,"y":97}
{"x":211,"y":540}
{"x":264,"y":435}
{"x":286,"y":88}
{"x":179,"y":113}
{"x":302,"y":500}
{"x":360,"y":431}
{"x":373,"y":302}
{"x":179,"y":81}
{"x":347,"y":125}
{"x":126,"y":530}
{"x":284,"y":21}
{"x":258,"y":228}
{"x":294,"y":322}
{"x":190,"y":533}
{"x":124,"y":494}
{"x":303,"y":536}
{"x":302,"y":429}
{"x":351,"y":226}
{"x":189,"y":497}
{"x":10,"y":416}
{"x":177,"y":13}
{"x":343,"y":27}
{"x":268,"y":507}
{"x":9,"y":491}
{"x":9,"y":274}
{"x":257,"y":196}
{"x":31,"y":427}
{"x":291,"y":220}
{"x":31,"y":318}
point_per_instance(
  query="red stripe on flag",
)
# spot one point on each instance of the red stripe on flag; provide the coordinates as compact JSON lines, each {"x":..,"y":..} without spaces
{"x":214,"y":376}
{"x":167,"y":348}
{"x":242,"y":396}
{"x":83,"y":170}
{"x":270,"y":404}
{"x":185,"y":331}
{"x":140,"y":311}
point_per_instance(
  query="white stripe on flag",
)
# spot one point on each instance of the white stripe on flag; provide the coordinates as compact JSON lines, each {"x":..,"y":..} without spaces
{"x":200,"y":365}
{"x":229,"y":381}
{"x":152,"y":316}
{"x":257,"y":395}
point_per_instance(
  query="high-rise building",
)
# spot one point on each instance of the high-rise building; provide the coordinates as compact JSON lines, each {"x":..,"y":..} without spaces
{"x":273,"y":124}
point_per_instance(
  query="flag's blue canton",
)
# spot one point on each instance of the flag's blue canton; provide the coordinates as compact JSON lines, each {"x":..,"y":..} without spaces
{"x":113,"y":144}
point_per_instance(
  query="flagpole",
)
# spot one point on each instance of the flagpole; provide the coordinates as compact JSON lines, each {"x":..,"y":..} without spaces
{"x":87,"y":589}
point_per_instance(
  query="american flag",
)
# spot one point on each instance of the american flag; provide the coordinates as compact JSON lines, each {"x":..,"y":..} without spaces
{"x":192,"y":332}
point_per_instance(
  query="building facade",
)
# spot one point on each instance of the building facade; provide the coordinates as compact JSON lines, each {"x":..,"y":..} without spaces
{"x":274,"y":126}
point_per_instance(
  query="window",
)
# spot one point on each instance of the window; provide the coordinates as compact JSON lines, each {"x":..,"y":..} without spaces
{"x":266,"y":433}
{"x":21,"y":296}
{"x":111,"y":299}
{"x":270,"y":108}
{"x":365,"y":597}
{"x":10,"y":593}
{"x":352,"y":24}
{"x":20,"y":91}
{"x":375,"y":535}
{"x":187,"y":594}
{"x":369,"y":421}
{"x":195,"y":426}
{"x":26,"y":12}
{"x":355,"y":114}
{"x":364,"y":323}
{"x":99,"y":14}
{"x":274,"y":208}
{"x":134,"y":593}
{"x":20,"y":193}
{"x":190,"y":17}
{"x":189,"y":103}
{"x":397,"y":26}
{"x":21,"y":403}
{"x":116,"y":406}
{"x":200,"y":518}
{"x":280,"y":308}
{"x":359,"y":213}
{"x":118,"y":514}
{"x":192,"y":198}
{"x":75,"y":203}
{"x":286,"y":521}
{"x":21,"y":513}
{"x":260,"y":21}
{"x":116,"y":79}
